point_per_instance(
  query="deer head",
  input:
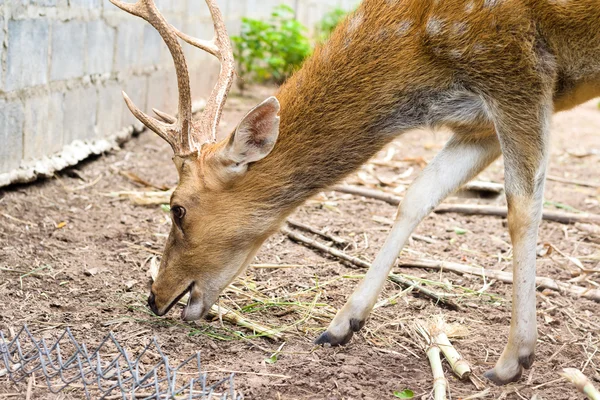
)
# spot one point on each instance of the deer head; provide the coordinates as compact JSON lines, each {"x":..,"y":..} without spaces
{"x":215,"y":231}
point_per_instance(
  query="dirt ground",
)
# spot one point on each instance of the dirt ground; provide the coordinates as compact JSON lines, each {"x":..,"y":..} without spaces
{"x":89,"y":253}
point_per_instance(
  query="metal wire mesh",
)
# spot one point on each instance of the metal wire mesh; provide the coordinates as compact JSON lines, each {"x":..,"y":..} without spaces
{"x":107,"y":371}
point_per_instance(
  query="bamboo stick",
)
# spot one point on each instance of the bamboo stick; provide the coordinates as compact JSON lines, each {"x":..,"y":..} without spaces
{"x":437,"y":330}
{"x":440,"y":384}
{"x":581,"y":382}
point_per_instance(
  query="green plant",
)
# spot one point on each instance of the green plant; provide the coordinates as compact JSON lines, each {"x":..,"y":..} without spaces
{"x":270,"y":50}
{"x":328,"y":23}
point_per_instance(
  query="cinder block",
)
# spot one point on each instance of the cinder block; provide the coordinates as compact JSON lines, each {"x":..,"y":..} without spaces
{"x":152,"y":48}
{"x":27,"y":55}
{"x":129,"y":37}
{"x":79,"y":119}
{"x":1,"y":56}
{"x":111,"y":107}
{"x":136,"y":88}
{"x":86,"y":3}
{"x":68,"y":50}
{"x":202,"y":30}
{"x":11,"y":131}
{"x":43,"y":125}
{"x":162,"y":91}
{"x":44,"y":3}
{"x":100,"y":47}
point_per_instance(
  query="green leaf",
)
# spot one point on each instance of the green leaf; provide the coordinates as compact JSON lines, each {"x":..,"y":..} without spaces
{"x":405,"y":394}
{"x":165,"y":208}
{"x":272,"y":359}
{"x":460,"y":231}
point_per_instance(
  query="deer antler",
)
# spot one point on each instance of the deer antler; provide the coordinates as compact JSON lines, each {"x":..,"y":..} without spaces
{"x":184,"y":135}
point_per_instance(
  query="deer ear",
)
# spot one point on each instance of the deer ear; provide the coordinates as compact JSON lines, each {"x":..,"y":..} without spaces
{"x":255,"y":136}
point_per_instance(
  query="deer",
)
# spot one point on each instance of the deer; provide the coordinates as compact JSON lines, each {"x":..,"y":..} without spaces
{"x":491,"y":71}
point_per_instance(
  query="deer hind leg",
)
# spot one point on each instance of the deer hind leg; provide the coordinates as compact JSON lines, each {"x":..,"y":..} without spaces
{"x":525,"y":148}
{"x":461,"y":159}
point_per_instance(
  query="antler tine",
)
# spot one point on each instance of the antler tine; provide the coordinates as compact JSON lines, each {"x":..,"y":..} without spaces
{"x":177,"y":134}
{"x":169,"y":119}
{"x":220,"y":47}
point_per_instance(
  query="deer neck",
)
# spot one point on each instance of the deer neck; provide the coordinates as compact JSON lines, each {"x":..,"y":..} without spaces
{"x":326,"y":132}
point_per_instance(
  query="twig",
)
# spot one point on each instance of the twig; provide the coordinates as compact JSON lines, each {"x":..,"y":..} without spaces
{"x":437,"y":329}
{"x":139,"y":180}
{"x":354,"y":261}
{"x":226,"y":314}
{"x":308,"y":228}
{"x":581,"y":382}
{"x":506,"y":277}
{"x":440,"y":384}
{"x":472,"y":209}
{"x":555,"y":216}
{"x":369,"y":193}
{"x":484,"y":187}
{"x":16,"y":219}
{"x":573,"y":181}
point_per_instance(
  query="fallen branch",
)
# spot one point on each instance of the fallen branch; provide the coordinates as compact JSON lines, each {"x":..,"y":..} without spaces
{"x":581,"y":382}
{"x":484,"y":187}
{"x":503,"y":276}
{"x":325,"y":235}
{"x":471,"y":209}
{"x":357,"y":262}
{"x":226,"y":314}
{"x":573,"y":181}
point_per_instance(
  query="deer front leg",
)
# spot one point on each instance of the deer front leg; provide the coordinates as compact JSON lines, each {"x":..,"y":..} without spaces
{"x":525,"y":158}
{"x":459,"y":161}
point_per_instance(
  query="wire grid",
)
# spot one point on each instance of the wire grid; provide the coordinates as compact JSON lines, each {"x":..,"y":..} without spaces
{"x":108,"y":370}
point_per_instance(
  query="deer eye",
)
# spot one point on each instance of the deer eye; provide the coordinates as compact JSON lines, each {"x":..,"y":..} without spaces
{"x":178,"y":213}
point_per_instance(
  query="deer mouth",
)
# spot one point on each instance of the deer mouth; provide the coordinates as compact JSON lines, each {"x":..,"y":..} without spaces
{"x":175,"y":301}
{"x":194,"y":309}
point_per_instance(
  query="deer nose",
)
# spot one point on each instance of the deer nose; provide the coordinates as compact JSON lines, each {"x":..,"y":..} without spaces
{"x":152,"y":303}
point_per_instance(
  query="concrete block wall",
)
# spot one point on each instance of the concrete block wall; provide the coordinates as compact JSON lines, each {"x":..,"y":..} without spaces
{"x":63,"y":64}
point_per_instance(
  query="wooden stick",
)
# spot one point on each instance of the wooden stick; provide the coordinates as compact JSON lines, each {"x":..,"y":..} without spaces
{"x":506,"y":277}
{"x":573,"y":181}
{"x":471,"y":209}
{"x":581,"y":382}
{"x":357,"y":262}
{"x":308,"y":228}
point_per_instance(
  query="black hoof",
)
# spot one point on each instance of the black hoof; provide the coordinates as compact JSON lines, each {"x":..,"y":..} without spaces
{"x":327,"y":338}
{"x":527,"y":361}
{"x":492,"y":376}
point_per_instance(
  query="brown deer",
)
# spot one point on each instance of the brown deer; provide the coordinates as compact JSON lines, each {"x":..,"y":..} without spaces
{"x":493,"y":71}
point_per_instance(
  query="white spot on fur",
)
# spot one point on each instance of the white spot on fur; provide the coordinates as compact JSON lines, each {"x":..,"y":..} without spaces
{"x":459,"y":28}
{"x":469,"y":7}
{"x":355,"y":22}
{"x":456,"y":54}
{"x":403,"y":28}
{"x":434,"y":26}
{"x":491,"y":3}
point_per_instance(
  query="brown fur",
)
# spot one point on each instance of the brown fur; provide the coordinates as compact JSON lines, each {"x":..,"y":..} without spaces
{"x":484,"y":68}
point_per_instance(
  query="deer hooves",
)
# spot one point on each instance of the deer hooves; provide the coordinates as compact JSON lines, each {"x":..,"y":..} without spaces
{"x":524,"y":362}
{"x":327,"y":338}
